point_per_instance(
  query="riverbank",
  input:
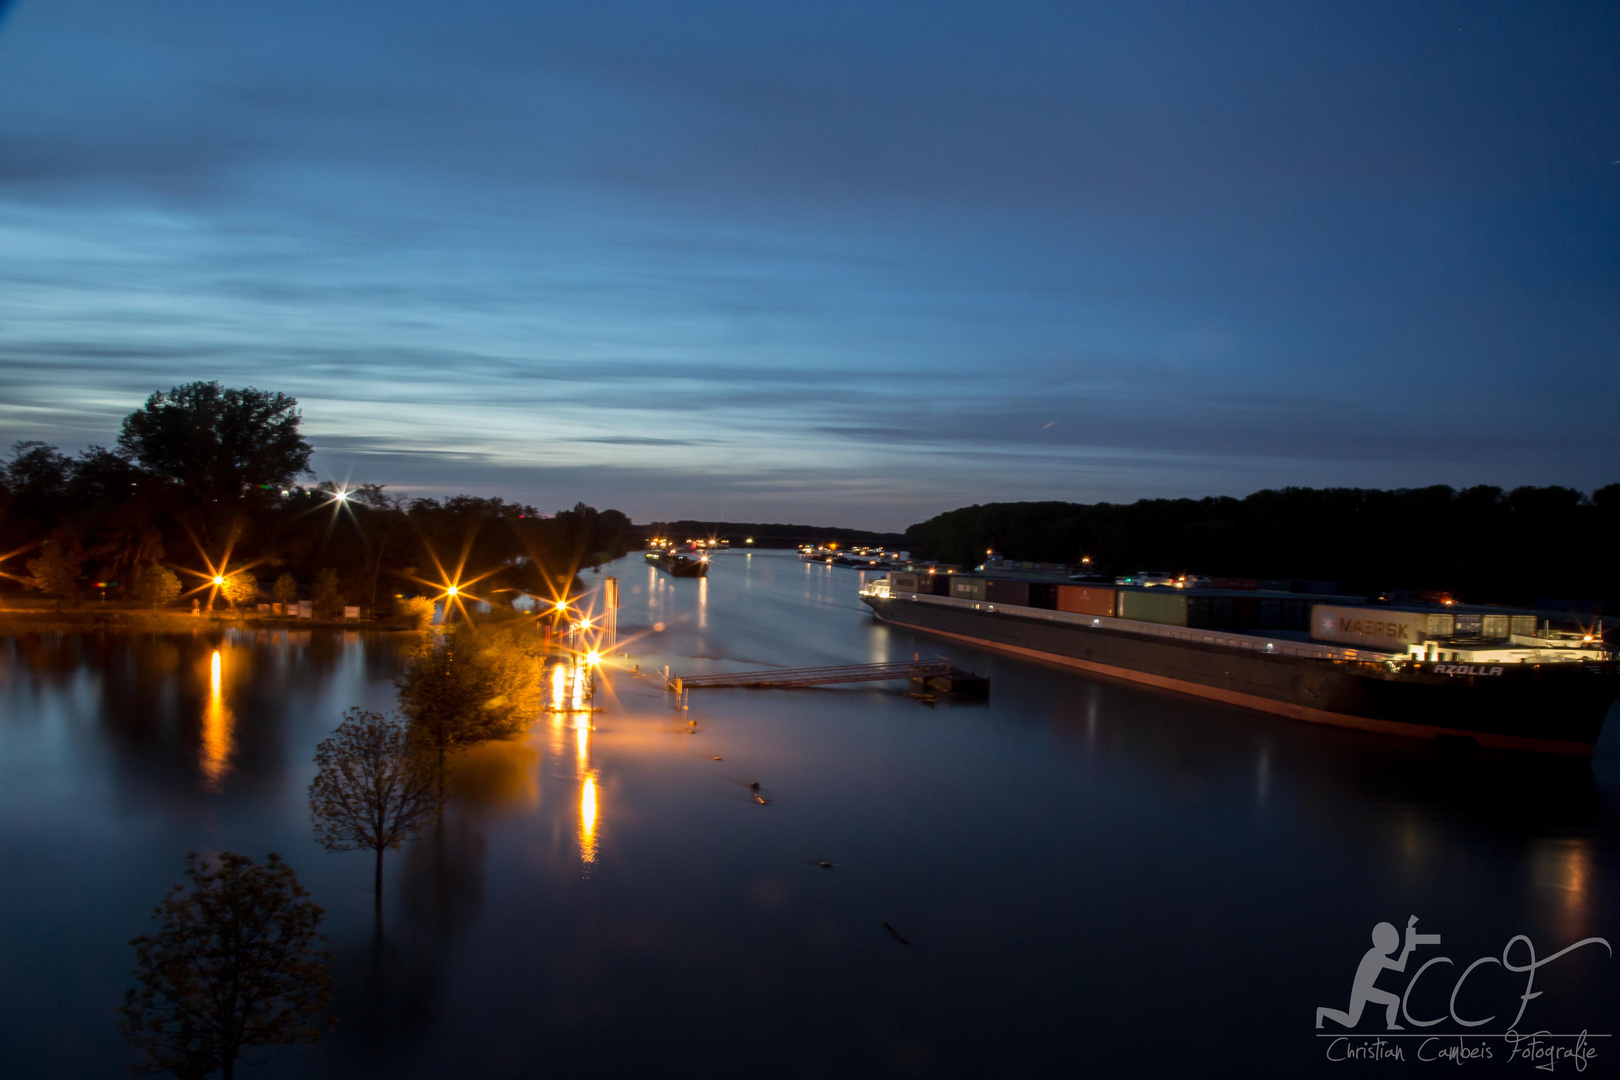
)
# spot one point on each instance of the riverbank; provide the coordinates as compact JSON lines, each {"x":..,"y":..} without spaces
{"x":15,"y":621}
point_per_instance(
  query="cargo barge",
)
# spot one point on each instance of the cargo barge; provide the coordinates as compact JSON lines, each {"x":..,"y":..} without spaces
{"x":1497,"y":679}
{"x":680,"y":565}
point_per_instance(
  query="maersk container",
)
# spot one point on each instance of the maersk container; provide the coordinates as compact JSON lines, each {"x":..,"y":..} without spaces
{"x":1007,"y":592}
{"x":1085,"y":600}
{"x":1369,"y":628}
{"x":1153,"y":605}
{"x":967,"y":588}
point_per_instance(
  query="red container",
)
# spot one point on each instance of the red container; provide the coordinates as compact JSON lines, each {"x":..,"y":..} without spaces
{"x":1085,"y":600}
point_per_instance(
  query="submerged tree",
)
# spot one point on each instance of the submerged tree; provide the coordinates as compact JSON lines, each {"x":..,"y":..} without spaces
{"x":373,"y":790}
{"x":232,"y":966}
{"x":479,"y":683}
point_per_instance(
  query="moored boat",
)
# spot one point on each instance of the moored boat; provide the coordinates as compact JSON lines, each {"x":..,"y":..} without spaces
{"x":1414,"y":674}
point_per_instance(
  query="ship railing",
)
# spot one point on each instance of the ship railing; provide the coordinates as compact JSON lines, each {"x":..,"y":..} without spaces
{"x":1194,"y":635}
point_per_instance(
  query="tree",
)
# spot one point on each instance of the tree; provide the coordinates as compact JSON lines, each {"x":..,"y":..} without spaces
{"x":373,"y":788}
{"x":241,"y":588}
{"x":37,"y":478}
{"x":232,"y":966}
{"x":285,"y":589}
{"x":218,"y":443}
{"x":156,"y":585}
{"x":479,"y":684}
{"x":416,"y":610}
{"x":56,"y":569}
{"x":327,"y":595}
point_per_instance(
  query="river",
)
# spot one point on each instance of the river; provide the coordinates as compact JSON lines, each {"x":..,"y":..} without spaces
{"x":1077,"y":876}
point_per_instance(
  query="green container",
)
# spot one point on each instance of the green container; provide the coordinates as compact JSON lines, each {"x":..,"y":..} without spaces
{"x":1153,"y":605}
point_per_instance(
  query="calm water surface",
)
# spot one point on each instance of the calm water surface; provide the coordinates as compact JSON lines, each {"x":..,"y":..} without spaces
{"x":1092,"y":877}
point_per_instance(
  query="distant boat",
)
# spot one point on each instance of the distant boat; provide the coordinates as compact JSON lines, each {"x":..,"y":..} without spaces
{"x":680,"y":565}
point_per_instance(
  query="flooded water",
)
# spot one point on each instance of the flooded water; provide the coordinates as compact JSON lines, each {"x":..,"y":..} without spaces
{"x":1077,"y":876}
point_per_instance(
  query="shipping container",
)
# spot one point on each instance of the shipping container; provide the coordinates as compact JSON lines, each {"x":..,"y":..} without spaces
{"x":1367,"y":628}
{"x":939,"y":584}
{"x":1043,"y":595}
{"x":1496,"y":626}
{"x":1470,"y":625}
{"x":1199,"y":612}
{"x":1085,"y":600}
{"x":967,"y":588}
{"x":1524,"y":625}
{"x":1007,"y":592}
{"x":903,"y":583}
{"x":1153,"y":605}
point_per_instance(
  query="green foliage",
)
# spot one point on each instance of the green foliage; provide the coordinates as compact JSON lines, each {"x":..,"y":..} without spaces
{"x":327,"y":595}
{"x":373,"y":788}
{"x":1476,"y":542}
{"x":285,"y":589}
{"x":477,"y":683}
{"x":415,"y":610}
{"x":232,"y":966}
{"x":156,"y":585}
{"x":55,"y":571}
{"x":218,"y":443}
{"x":241,"y":589}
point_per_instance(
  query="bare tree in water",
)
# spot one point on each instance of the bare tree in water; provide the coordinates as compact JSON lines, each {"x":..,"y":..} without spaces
{"x":232,"y":966}
{"x":375,"y":789}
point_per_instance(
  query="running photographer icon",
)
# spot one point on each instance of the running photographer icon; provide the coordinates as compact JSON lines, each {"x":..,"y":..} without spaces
{"x":1377,"y":959}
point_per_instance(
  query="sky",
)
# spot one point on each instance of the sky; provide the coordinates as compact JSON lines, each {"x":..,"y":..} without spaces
{"x":831,"y":263}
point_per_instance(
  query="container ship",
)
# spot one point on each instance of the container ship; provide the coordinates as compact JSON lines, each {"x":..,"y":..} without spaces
{"x":1494,"y":677}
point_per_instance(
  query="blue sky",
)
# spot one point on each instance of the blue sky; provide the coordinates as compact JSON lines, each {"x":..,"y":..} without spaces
{"x":838,"y":263}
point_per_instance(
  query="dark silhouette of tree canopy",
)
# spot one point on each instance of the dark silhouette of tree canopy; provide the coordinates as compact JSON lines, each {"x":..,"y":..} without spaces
{"x":218,"y":443}
{"x":374,"y":789}
{"x":232,"y":966}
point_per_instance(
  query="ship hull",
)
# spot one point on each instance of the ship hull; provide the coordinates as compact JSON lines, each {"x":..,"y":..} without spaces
{"x":1542,"y":708}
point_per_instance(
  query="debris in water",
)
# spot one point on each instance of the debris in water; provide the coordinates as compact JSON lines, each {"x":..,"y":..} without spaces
{"x":753,"y":785}
{"x":896,"y":934}
{"x":719,"y":759}
{"x":825,"y":865}
{"x":759,"y":798}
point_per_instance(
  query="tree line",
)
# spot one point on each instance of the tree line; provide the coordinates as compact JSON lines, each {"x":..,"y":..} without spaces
{"x":204,"y":478}
{"x":1482,"y":544}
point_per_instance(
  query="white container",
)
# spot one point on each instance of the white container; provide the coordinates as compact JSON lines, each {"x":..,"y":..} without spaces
{"x":1368,"y":628}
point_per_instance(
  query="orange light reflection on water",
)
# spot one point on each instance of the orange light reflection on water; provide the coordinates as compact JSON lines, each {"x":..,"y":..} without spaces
{"x":217,"y":739}
{"x":587,"y":821}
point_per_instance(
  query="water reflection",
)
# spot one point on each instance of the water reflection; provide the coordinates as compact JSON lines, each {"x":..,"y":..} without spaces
{"x":218,"y":742}
{"x":1562,"y":869}
{"x":587,"y":821}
